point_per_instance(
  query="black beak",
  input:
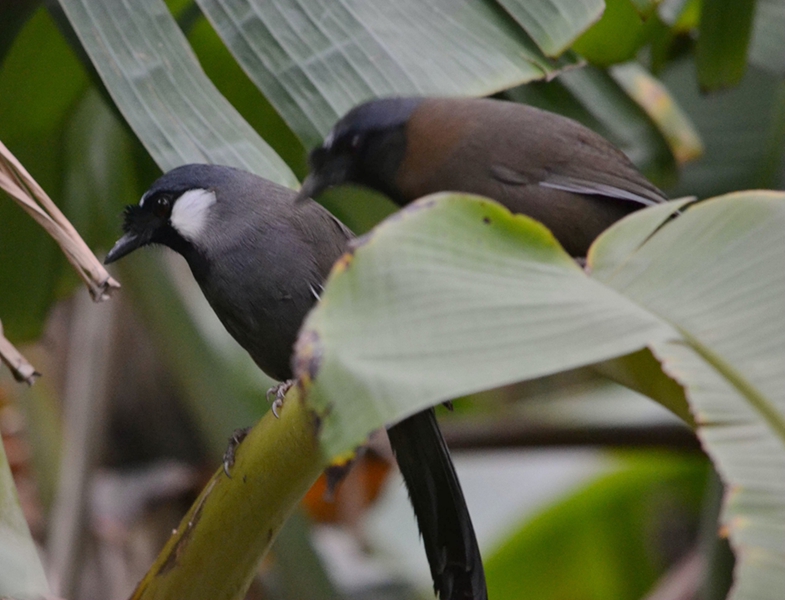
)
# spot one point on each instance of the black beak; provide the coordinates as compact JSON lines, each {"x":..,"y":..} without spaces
{"x":311,"y":187}
{"x":125,"y":245}
{"x":326,"y":171}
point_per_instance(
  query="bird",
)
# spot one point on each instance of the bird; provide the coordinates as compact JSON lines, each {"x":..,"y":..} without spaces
{"x":261,"y":259}
{"x":534,"y":162}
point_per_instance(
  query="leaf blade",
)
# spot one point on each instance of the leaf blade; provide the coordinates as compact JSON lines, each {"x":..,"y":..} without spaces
{"x":409,"y":334}
{"x":159,"y":87}
{"x":314,"y":61}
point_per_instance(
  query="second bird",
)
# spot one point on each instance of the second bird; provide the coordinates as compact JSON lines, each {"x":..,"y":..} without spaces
{"x":532,"y":161}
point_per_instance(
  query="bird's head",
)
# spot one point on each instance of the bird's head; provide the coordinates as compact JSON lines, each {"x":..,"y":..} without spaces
{"x":174,"y":212}
{"x":365,"y":147}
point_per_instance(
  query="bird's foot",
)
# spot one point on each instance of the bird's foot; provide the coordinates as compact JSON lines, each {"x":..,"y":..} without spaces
{"x":277,"y":394}
{"x":234,"y":441}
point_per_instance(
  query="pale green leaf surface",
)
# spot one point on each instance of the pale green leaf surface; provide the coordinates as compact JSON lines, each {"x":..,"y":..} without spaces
{"x":154,"y":78}
{"x":314,"y":60}
{"x":21,"y":572}
{"x":724,"y":294}
{"x":455,"y":295}
{"x":436,"y":302}
{"x":618,"y":243}
{"x":554,"y":24}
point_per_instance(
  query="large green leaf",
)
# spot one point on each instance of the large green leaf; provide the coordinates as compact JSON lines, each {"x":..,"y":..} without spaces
{"x":450,"y":296}
{"x":454,"y":295}
{"x":21,"y":572}
{"x":154,"y":79}
{"x":724,"y":295}
{"x":227,"y":75}
{"x":554,"y":24}
{"x":314,"y":61}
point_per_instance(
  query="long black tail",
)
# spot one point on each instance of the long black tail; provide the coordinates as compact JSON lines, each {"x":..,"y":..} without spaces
{"x":442,"y":515}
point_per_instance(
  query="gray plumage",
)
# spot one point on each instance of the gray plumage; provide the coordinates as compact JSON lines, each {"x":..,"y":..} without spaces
{"x":258,"y":258}
{"x":261,"y":258}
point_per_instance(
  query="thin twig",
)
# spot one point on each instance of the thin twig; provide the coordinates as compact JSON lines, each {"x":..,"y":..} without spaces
{"x":21,"y":186}
{"x":21,"y":369}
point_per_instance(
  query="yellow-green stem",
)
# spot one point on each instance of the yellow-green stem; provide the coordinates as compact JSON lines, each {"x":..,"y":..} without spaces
{"x":217,"y":548}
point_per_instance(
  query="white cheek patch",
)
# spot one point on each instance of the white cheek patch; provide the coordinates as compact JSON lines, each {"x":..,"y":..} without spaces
{"x":190,"y":212}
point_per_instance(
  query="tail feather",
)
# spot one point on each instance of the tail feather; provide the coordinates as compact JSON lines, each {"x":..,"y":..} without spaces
{"x":439,"y":506}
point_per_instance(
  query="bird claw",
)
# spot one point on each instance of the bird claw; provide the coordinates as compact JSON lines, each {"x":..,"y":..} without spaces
{"x":279,"y":392}
{"x":234,"y":441}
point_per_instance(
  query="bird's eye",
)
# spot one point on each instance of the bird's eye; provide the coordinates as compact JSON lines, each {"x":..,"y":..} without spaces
{"x":162,"y":207}
{"x":355,"y":142}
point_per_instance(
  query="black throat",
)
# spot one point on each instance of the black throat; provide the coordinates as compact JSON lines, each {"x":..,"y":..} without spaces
{"x":168,"y":236}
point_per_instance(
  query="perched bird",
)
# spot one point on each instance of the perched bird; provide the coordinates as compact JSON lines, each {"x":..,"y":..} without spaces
{"x":260,"y":259}
{"x":532,"y":161}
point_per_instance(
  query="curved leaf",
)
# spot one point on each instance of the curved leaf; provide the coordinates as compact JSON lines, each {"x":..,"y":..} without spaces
{"x":154,"y":79}
{"x":315,"y":60}
{"x":454,"y":295}
{"x":450,"y":296}
{"x":724,"y":295}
